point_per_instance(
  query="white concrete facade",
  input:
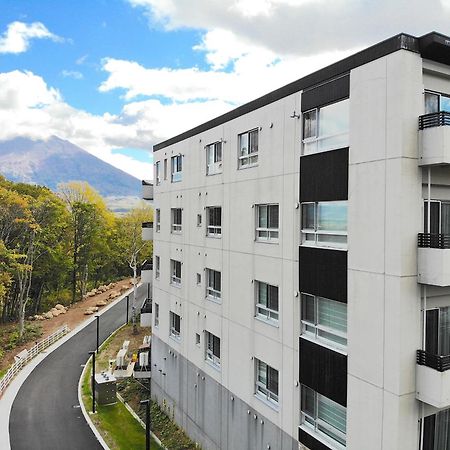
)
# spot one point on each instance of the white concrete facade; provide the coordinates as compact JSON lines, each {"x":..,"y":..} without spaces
{"x":385,"y":304}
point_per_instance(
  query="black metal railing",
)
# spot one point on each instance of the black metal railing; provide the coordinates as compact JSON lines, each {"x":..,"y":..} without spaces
{"x":437,"y":362}
{"x":147,"y":224}
{"x":147,"y":266}
{"x":437,"y":119}
{"x":430,"y":240}
{"x":146,"y":306}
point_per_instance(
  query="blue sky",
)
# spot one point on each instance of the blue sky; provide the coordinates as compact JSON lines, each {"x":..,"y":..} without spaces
{"x":117,"y":76}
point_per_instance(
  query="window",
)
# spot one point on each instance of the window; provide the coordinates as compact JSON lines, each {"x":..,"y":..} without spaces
{"x":157,"y":267}
{"x":325,"y":224}
{"x":199,"y":220}
{"x":248,"y":149}
{"x":175,"y":272}
{"x":323,"y":416}
{"x":266,"y":301}
{"x":158,"y":172}
{"x":437,"y":331}
{"x":176,"y":226}
{"x":267,"y":223}
{"x":158,"y":220}
{"x":212,"y":348}
{"x":175,"y":322}
{"x":213,"y":285}
{"x":197,"y":339}
{"x":177,"y":168}
{"x":165,"y":169}
{"x":324,"y":320}
{"x":214,"y":158}
{"x":435,"y":102}
{"x":439,"y":217}
{"x":266,"y":382}
{"x":214,"y":221}
{"x":436,"y":433}
{"x":326,"y":128}
{"x":199,"y":278}
{"x":156,"y":315}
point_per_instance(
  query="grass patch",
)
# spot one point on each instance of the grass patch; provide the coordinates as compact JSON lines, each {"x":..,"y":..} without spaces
{"x":119,"y":429}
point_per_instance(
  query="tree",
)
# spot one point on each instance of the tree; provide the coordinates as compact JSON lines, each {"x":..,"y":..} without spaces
{"x":130,"y":242}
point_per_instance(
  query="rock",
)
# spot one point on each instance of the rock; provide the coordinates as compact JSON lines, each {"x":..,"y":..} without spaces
{"x":88,"y":312}
{"x":63,"y":311}
{"x":48,"y":315}
{"x":113,"y":294}
{"x":56,"y":313}
{"x":101,"y":303}
{"x":31,"y":318}
{"x":59,"y":306}
{"x":39,"y":317}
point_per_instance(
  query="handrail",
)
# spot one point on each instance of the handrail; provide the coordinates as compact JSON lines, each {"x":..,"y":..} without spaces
{"x":432,"y":240}
{"x":18,"y":365}
{"x":437,"y":362}
{"x":436,"y":119}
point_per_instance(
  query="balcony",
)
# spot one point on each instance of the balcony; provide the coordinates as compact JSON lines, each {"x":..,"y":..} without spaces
{"x":433,"y":379}
{"x":434,"y":139}
{"x":147,"y":231}
{"x":147,"y":190}
{"x":146,"y":313}
{"x":147,"y":273}
{"x":433,"y":259}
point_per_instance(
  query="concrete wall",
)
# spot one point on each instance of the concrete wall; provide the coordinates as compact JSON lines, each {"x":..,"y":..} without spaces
{"x":210,"y":414}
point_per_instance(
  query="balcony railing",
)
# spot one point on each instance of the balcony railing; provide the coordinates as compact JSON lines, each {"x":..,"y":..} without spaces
{"x":436,"y":362}
{"x":429,"y":240}
{"x":437,"y":119}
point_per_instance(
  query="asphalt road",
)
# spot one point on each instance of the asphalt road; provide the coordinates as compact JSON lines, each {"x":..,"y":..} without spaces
{"x":45,"y":414}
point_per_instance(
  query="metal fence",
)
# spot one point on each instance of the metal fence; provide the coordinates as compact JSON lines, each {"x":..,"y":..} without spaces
{"x":437,"y":119}
{"x":437,"y":362}
{"x":33,"y":352}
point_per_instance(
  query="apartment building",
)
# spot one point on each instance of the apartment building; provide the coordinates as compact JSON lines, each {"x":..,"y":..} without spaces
{"x":301,"y":284}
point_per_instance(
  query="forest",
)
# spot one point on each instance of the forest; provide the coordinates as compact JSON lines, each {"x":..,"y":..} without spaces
{"x":54,"y":247}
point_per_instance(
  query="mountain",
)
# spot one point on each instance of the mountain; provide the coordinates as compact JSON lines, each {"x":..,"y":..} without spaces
{"x":58,"y":161}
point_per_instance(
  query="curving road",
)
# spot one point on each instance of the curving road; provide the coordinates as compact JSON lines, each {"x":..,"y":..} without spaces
{"x":45,"y":414}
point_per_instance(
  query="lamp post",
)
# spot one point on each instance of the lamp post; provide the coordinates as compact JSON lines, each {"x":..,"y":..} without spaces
{"x":98,"y":331}
{"x":92,"y":353}
{"x":147,"y":423}
{"x":128,"y":306}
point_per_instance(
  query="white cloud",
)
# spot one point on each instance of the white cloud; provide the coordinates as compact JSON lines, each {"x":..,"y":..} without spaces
{"x":17,"y":37}
{"x":72,"y":74}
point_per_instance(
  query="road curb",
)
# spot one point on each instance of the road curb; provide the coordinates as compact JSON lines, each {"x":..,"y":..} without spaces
{"x":11,"y":392}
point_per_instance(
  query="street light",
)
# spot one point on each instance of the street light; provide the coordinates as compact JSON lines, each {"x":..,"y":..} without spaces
{"x":98,"y":328}
{"x":92,"y":353}
{"x":147,"y":423}
{"x":128,"y":306}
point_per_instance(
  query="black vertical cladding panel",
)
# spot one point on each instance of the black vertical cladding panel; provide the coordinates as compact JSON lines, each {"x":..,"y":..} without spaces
{"x":323,"y":272}
{"x":324,"y":176}
{"x":324,"y":371}
{"x":307,"y":440}
{"x":324,"y":94}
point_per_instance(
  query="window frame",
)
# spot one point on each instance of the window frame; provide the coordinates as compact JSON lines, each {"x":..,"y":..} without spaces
{"x":317,"y":233}
{"x":316,"y":138}
{"x":157,"y":220}
{"x":316,"y":331}
{"x":174,"y":279}
{"x":156,"y":320}
{"x":210,"y":347}
{"x":273,"y":234}
{"x":263,"y":391}
{"x":157,"y":267}
{"x":214,"y":231}
{"x":158,"y":172}
{"x":212,"y":293}
{"x":313,"y":423}
{"x":215,"y":167}
{"x":176,"y":168}
{"x":260,"y":308}
{"x":176,"y":228}
{"x":246,"y":160}
{"x":173,"y":332}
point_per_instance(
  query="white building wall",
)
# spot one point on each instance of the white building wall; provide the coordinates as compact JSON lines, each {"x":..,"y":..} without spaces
{"x":237,"y":255}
